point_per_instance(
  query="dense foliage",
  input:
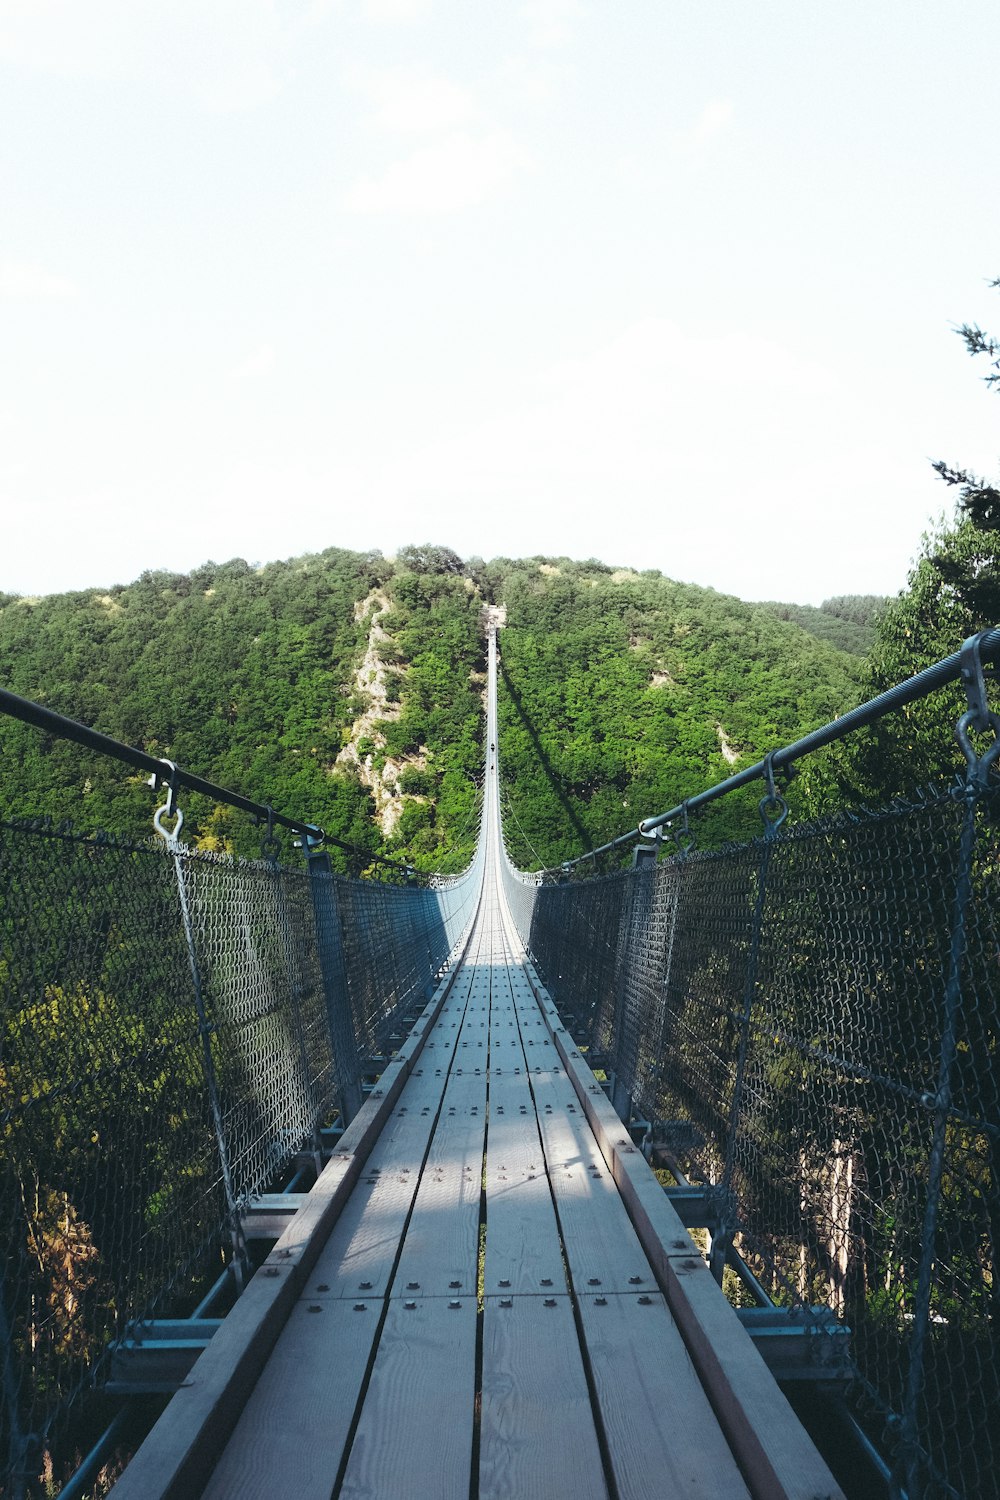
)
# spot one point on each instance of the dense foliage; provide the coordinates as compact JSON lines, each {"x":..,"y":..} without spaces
{"x":953,"y":592}
{"x":346,"y":688}
{"x":624,"y":693}
{"x":847,"y":621}
{"x":250,"y":677}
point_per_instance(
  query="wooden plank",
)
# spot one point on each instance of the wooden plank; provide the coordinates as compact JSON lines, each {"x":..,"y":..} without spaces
{"x":537,"y":1436}
{"x":774,"y":1451}
{"x":361,"y":1252}
{"x":291,"y":1436}
{"x":773,"y":1448}
{"x":602,"y":1248}
{"x":661,"y":1432}
{"x":414,"y":1437}
{"x":523,"y":1249}
{"x":440,"y":1253}
{"x":180,"y":1450}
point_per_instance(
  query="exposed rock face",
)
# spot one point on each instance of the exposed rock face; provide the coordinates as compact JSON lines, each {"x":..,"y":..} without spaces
{"x":380,"y":774}
{"x":729,"y":755}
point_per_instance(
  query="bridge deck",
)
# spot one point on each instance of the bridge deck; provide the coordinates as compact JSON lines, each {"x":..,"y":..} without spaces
{"x":483,"y":1301}
{"x":486,"y":1295}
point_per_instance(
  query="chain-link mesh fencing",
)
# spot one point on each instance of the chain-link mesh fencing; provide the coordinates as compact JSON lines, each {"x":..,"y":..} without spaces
{"x":174,"y":1028}
{"x":812,"y":1022}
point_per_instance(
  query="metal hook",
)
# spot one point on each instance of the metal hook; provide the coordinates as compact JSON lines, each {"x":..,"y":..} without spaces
{"x":978,"y":717}
{"x":684,"y":838}
{"x":169,"y":808}
{"x":270,"y":847}
{"x":773,"y":807}
{"x":974,"y":681}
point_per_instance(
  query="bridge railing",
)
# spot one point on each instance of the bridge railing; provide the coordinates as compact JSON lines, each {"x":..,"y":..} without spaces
{"x":811,"y":1023}
{"x":176,"y":1027}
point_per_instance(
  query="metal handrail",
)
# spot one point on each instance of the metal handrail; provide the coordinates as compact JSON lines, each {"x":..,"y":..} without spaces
{"x":958,"y":666}
{"x":166,"y":773}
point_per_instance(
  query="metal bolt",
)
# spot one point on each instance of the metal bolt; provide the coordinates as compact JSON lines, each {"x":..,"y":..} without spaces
{"x":323,"y":1287}
{"x":409,"y":1306}
{"x":413,"y":1286}
{"x":506,"y":1302}
{"x":594,"y":1281}
{"x":455,"y":1284}
{"x":634,"y":1280}
{"x":546,"y":1281}
{"x":550,"y":1302}
{"x":358,"y":1307}
{"x":365,"y":1286}
{"x":600,"y":1301}
{"x":505,"y":1283}
{"x":315,"y":1307}
{"x":645,"y":1301}
{"x":270,"y":1270}
{"x":454,"y":1304}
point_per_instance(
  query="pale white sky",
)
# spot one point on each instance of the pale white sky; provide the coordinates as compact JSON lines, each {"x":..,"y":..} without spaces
{"x":667,"y":282}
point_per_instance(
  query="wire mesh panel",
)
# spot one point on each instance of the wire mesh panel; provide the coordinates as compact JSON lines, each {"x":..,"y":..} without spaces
{"x":112,"y":1197}
{"x":255,"y":953}
{"x":813,"y":1020}
{"x":172,"y":1031}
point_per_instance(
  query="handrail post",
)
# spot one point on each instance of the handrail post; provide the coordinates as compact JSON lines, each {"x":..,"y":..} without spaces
{"x":293,"y":975}
{"x":205,"y":1029}
{"x":910,"y":1469}
{"x":334,"y":975}
{"x":773,"y":811}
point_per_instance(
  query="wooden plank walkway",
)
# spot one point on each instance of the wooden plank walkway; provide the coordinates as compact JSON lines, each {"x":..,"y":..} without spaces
{"x":498,"y":1301}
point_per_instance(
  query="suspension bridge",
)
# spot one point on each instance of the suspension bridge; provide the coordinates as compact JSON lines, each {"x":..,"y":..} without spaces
{"x":472,"y":1283}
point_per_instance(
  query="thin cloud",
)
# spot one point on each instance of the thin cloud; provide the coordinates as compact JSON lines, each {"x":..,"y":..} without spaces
{"x":458,"y":172}
{"x":412,"y":100}
{"x":259,"y":361}
{"x":391,"y":11}
{"x":714,"y":120}
{"x":230,"y":55}
{"x":21,"y":281}
{"x":550,"y":22}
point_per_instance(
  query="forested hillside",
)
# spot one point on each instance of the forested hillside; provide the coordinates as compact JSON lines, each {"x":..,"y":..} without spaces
{"x":338,"y":687}
{"x":346,"y":688}
{"x":623,"y":693}
{"x":848,"y":621}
